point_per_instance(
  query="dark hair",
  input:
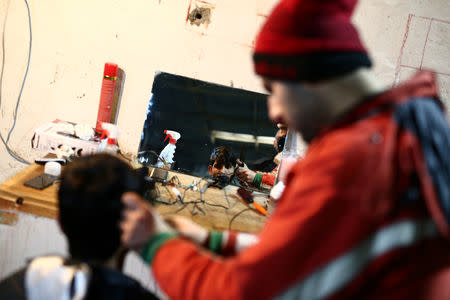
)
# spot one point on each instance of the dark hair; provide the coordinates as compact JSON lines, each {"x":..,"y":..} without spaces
{"x":221,"y":156}
{"x":90,"y":205}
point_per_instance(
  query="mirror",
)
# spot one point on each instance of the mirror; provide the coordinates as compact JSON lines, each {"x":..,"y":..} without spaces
{"x":207,"y":116}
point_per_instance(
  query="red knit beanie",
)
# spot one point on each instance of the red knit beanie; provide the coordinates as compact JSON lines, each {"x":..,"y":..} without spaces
{"x":309,"y":40}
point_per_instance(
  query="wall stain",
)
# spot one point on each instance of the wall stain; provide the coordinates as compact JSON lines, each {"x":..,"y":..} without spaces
{"x":200,"y":15}
{"x":81,"y":96}
{"x":54,"y":78}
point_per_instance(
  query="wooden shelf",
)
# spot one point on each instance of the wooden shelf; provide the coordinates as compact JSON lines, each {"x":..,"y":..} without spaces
{"x":216,"y":212}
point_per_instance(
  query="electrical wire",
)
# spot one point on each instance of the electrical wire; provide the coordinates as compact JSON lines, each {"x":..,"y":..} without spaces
{"x":217,"y":205}
{"x":26,"y":73}
{"x":3,"y":50}
{"x":237,"y":215}
{"x":156,"y":155}
{"x":8,"y":149}
{"x":184,"y":204}
{"x":200,"y":201}
{"x":12,"y":153}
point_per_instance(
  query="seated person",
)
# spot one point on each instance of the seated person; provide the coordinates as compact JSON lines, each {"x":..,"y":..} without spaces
{"x":222,"y":164}
{"x":265,"y":180}
{"x":89,"y":214}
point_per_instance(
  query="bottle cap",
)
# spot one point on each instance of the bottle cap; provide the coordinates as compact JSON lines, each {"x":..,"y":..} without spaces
{"x":52,"y":168}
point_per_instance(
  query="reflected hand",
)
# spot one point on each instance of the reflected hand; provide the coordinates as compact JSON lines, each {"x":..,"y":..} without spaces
{"x":189,"y":229}
{"x":277,"y":158}
{"x":245,"y":174}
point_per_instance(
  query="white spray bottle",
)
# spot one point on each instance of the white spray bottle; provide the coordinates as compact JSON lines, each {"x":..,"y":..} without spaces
{"x":166,"y":155}
{"x":112,"y":132}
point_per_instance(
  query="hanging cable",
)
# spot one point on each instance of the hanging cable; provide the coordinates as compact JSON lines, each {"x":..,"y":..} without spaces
{"x":12,"y":153}
{"x":25,"y":76}
{"x":8,"y":149}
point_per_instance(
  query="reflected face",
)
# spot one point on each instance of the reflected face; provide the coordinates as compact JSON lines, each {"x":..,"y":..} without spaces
{"x":219,"y":168}
{"x":295,"y":105}
{"x":280,"y":136}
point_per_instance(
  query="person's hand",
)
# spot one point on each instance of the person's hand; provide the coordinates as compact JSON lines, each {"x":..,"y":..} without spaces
{"x":245,"y":174}
{"x":189,"y":229}
{"x":140,"y":223}
{"x":241,"y":165}
{"x":277,"y":158}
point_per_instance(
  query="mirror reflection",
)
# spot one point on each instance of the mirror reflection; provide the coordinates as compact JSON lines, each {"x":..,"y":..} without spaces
{"x":212,"y":130}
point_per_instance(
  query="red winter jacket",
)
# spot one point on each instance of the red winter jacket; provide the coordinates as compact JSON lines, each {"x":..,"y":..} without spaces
{"x":344,"y":228}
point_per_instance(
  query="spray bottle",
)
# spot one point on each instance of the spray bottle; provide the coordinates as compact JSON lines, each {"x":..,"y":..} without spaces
{"x":166,"y":155}
{"x":109,"y":145}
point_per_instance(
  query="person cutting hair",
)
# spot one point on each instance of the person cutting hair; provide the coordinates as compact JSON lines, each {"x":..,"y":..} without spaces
{"x":366,"y":213}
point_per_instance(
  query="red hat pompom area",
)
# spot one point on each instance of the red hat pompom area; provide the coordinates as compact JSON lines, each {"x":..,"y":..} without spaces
{"x":309,"y":40}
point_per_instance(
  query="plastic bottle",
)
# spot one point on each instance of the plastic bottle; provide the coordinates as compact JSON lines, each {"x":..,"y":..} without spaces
{"x":112,"y":132}
{"x":290,"y":155}
{"x":168,"y":152}
{"x":106,"y":96}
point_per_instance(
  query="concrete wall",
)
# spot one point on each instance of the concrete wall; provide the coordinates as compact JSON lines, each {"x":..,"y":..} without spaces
{"x":73,"y":39}
{"x":30,"y":237}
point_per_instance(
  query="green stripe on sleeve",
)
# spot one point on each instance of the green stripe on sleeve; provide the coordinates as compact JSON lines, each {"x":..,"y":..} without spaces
{"x":257,"y":180}
{"x":149,"y":251}
{"x":215,"y":241}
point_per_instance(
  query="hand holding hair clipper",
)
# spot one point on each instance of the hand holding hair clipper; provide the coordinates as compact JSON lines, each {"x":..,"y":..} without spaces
{"x":243,"y":173}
